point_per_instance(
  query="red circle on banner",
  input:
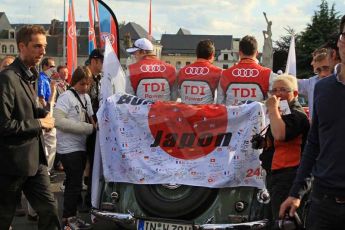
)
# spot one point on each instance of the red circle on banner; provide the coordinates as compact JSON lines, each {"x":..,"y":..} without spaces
{"x":187,"y":132}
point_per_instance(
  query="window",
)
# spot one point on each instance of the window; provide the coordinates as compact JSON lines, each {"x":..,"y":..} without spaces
{"x":187,"y":62}
{"x":3,"y":49}
{"x":12,"y":49}
{"x":11,"y":34}
{"x":226,"y":57}
{"x":225,"y":66}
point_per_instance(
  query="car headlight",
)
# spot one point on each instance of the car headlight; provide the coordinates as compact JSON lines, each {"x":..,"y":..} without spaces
{"x":263,"y":196}
{"x":240,"y":206}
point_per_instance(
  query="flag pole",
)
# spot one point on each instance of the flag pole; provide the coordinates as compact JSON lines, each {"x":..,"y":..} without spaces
{"x":64,"y":34}
{"x":150,"y":15}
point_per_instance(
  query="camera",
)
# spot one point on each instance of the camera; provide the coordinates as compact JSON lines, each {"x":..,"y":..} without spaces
{"x":258,"y":141}
{"x":289,"y":223}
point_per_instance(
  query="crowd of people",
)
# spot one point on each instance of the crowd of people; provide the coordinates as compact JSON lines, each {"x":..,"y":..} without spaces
{"x":47,"y":122}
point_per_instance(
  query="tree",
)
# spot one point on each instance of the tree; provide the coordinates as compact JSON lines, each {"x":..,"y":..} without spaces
{"x":281,"y":49}
{"x":323,"y":24}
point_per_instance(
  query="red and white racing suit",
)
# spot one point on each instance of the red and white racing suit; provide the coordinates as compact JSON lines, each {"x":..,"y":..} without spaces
{"x":152,"y":79}
{"x":244,"y":81}
{"x":198,"y":82}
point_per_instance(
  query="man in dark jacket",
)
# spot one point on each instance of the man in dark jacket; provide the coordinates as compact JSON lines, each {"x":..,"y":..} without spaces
{"x":323,"y":156}
{"x":23,"y":165}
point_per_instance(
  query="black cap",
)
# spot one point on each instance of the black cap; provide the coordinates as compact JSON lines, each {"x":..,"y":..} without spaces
{"x":97,"y":54}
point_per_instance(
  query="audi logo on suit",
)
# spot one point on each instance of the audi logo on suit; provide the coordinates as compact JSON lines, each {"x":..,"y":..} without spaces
{"x":197,"y":70}
{"x":154,"y":68}
{"x":245,"y":72}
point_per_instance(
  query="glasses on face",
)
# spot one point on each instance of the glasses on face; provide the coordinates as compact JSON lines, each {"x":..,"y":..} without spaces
{"x":342,"y":36}
{"x":52,"y":66}
{"x":321,"y":69}
{"x":281,"y":90}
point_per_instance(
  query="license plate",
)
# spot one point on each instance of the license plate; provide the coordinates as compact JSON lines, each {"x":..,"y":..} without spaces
{"x":157,"y":225}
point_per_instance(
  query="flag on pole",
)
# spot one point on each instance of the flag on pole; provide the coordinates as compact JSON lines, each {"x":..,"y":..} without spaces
{"x":72,"y":52}
{"x":92,"y":37}
{"x":150,"y":15}
{"x":113,"y":73}
{"x":108,"y":26}
{"x":291,"y":61}
{"x":113,"y":80}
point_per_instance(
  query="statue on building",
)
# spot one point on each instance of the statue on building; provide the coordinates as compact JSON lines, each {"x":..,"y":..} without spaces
{"x":267,"y":52}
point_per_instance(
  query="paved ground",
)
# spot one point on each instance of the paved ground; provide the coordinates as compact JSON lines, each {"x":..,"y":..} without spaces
{"x":21,"y":223}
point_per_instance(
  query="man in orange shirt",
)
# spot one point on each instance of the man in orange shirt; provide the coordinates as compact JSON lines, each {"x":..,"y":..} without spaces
{"x":198,"y":81}
{"x":247,"y":80}
{"x":150,"y":78}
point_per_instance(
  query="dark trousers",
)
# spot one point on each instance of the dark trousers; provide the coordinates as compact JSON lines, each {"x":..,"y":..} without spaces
{"x":280,"y":184}
{"x":37,"y":191}
{"x":74,"y":165}
{"x":325,"y":213}
{"x":90,"y":155}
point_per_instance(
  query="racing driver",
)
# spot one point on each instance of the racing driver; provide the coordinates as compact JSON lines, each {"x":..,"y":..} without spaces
{"x":198,"y":81}
{"x":150,"y":78}
{"x":246,"y":80}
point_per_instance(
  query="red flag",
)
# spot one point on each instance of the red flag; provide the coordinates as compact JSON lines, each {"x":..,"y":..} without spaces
{"x":72,"y":53}
{"x":150,"y":35}
{"x":92,"y":37}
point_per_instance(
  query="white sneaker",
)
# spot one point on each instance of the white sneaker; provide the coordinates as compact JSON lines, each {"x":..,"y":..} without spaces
{"x":75,"y":223}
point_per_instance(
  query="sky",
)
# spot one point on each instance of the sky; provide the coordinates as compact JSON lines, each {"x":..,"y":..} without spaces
{"x":217,"y":17}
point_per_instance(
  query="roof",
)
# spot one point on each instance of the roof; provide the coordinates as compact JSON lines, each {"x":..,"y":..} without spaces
{"x":186,"y":44}
{"x":20,"y":25}
{"x":135,"y":30}
{"x":182,"y":31}
{"x":4,"y":23}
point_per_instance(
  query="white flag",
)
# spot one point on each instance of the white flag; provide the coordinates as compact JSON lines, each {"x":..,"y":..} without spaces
{"x":291,"y":61}
{"x":113,"y":80}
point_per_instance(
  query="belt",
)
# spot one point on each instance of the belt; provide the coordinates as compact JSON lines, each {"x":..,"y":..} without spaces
{"x":336,"y":199}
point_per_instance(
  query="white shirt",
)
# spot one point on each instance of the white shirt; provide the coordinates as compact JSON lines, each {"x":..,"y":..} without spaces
{"x":72,"y":129}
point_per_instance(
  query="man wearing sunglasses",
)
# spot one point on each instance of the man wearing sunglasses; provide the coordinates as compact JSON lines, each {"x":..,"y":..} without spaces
{"x":323,"y":156}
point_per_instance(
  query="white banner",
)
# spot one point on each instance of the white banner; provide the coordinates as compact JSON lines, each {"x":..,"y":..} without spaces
{"x":166,"y":142}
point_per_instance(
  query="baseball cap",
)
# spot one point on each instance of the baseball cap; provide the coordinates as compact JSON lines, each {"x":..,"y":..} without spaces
{"x":141,"y":44}
{"x":97,"y":54}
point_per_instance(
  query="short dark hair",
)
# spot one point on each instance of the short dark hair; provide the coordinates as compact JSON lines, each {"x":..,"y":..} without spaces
{"x":45,"y":61}
{"x":81,"y":73}
{"x":205,"y":49}
{"x":60,"y":67}
{"x":248,"y":45}
{"x":342,"y":24}
{"x":332,"y":44}
{"x":25,"y":33}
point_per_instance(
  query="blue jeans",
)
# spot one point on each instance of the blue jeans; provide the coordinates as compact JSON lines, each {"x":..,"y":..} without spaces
{"x":325,"y":213}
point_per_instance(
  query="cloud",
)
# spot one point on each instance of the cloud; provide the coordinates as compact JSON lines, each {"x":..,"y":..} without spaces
{"x":235,"y":17}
